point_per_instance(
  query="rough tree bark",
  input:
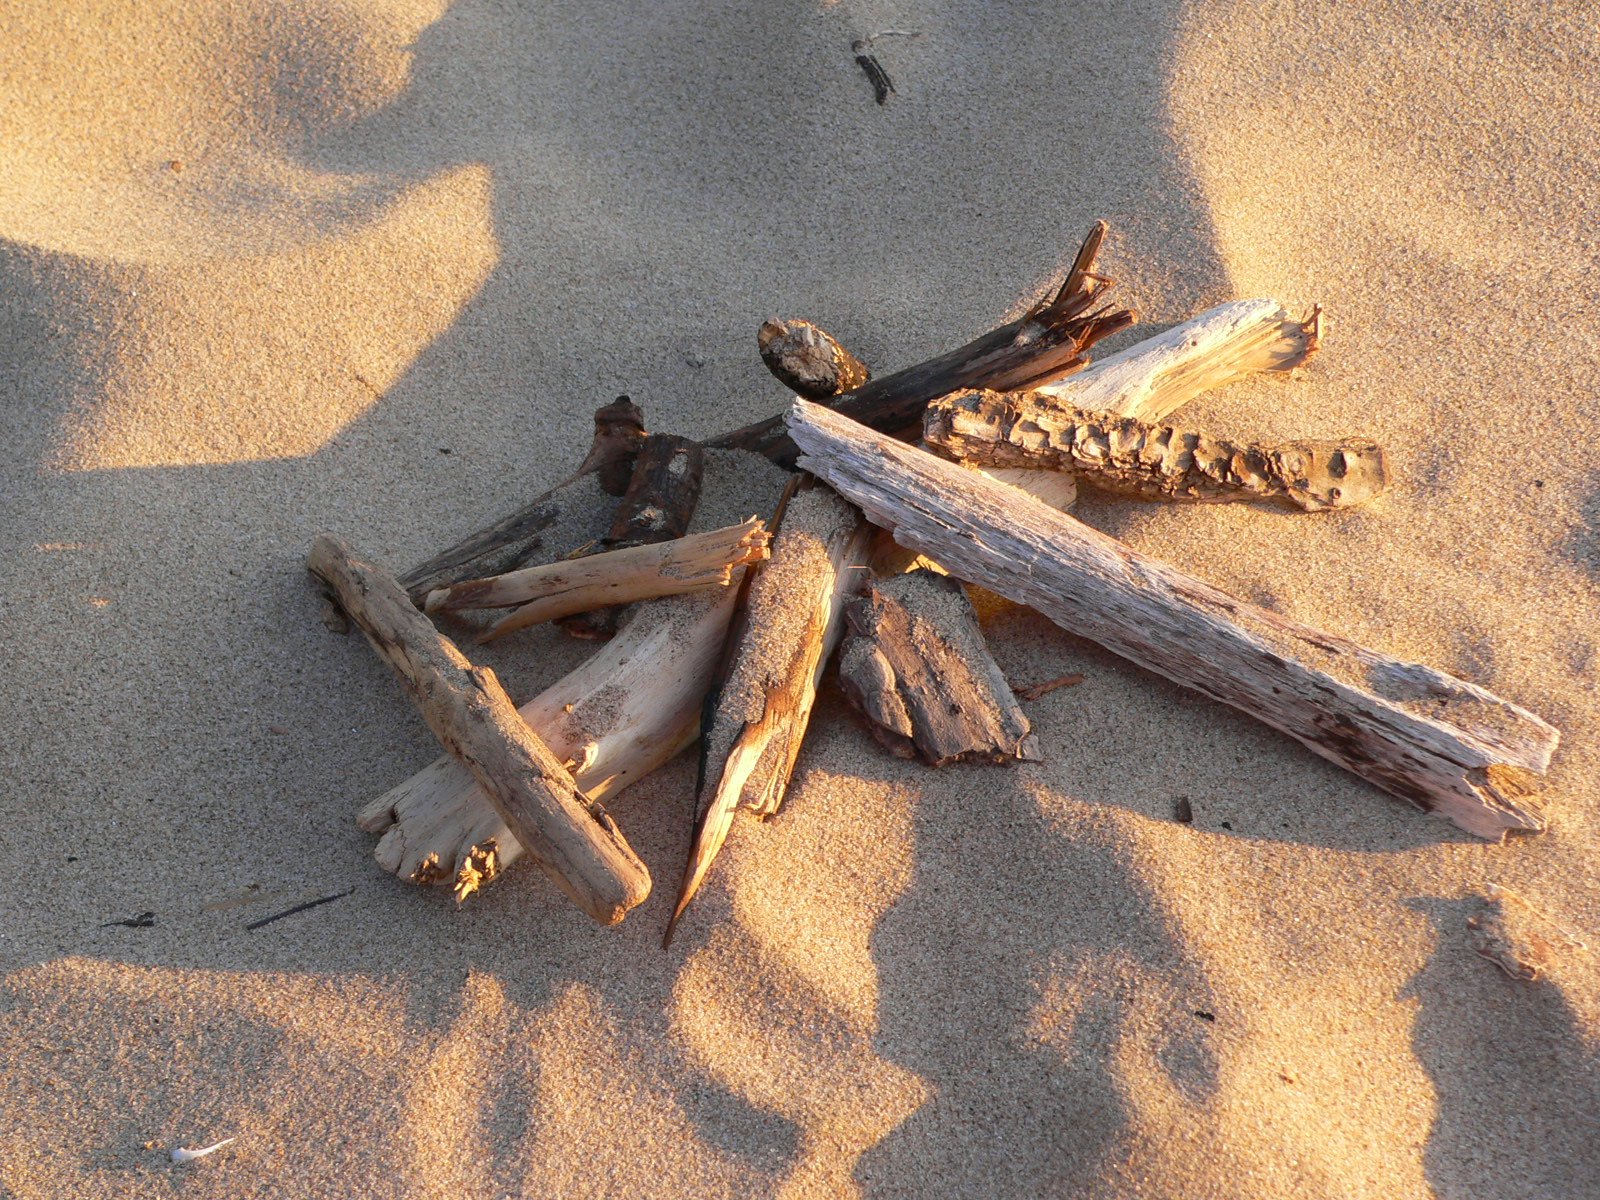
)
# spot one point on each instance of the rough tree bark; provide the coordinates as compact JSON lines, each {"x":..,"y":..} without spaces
{"x":916,"y":666}
{"x":1445,"y":745}
{"x":572,"y":838}
{"x":1123,"y":454}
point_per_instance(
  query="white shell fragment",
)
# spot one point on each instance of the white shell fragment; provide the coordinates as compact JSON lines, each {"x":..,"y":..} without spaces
{"x":182,"y":1154}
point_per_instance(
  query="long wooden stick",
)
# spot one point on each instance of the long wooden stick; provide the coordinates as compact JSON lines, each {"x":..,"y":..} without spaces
{"x":572,"y":838}
{"x":1443,"y":744}
{"x":1047,"y":342}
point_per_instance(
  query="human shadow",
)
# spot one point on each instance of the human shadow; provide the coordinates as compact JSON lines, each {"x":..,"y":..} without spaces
{"x":204,"y":736}
{"x":1515,"y":1068}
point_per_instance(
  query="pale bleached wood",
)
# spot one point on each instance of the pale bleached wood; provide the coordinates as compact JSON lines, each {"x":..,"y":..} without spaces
{"x":571,"y":837}
{"x":1153,"y":378}
{"x":1443,"y":744}
{"x":575,"y":585}
{"x":789,"y":624}
{"x":628,"y":709}
{"x":1143,"y":458}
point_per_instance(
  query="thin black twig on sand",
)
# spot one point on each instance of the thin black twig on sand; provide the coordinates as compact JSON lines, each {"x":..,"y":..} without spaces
{"x":289,"y":912}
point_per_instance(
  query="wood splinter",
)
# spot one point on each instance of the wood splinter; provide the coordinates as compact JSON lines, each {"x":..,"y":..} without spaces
{"x":685,"y":564}
{"x":1518,"y":938}
{"x":573,"y":839}
{"x":916,"y":665}
{"x":1443,"y":744}
{"x":757,"y":717}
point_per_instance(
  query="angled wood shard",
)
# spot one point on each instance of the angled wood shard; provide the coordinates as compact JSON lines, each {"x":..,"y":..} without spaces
{"x":790,"y":622}
{"x":657,"y":507}
{"x":1518,"y":938}
{"x":1443,"y":744}
{"x":1141,"y":458}
{"x":571,"y":837}
{"x":575,"y":511}
{"x":915,"y":664}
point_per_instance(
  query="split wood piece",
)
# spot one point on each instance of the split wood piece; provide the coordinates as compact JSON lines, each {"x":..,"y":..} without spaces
{"x":1443,"y":744}
{"x":787,"y":626}
{"x":809,"y":360}
{"x":1047,"y":342}
{"x":1121,"y":454}
{"x":1153,"y":378}
{"x":657,"y":507}
{"x":636,"y":573}
{"x":915,"y":664}
{"x":571,"y":837}
{"x":574,"y":512}
{"x":1518,"y":938}
{"x":627,"y":710}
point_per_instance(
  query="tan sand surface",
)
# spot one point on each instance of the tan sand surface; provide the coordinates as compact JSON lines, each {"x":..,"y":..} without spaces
{"x":367,"y":266}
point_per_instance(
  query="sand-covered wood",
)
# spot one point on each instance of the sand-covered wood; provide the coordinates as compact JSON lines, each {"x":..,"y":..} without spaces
{"x":625,"y":711}
{"x":575,"y":512}
{"x":657,"y":507}
{"x":789,"y":623}
{"x":572,"y":838}
{"x":1448,"y":746}
{"x":1047,"y":342}
{"x":916,"y":665}
{"x":611,"y":577}
{"x":1517,"y":937}
{"x":1143,"y":458}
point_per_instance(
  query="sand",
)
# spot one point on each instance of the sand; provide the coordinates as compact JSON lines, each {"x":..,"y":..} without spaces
{"x":367,"y":267}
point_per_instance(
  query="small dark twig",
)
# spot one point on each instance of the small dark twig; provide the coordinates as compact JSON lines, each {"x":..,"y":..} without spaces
{"x":882,"y":85}
{"x":1034,"y":691}
{"x":142,"y":920}
{"x":289,"y":912}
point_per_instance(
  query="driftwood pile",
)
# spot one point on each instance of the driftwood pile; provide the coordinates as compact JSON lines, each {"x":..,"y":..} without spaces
{"x":720,"y":628}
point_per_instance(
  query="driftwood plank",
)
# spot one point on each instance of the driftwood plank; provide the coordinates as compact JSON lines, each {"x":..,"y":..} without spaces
{"x":1445,"y":745}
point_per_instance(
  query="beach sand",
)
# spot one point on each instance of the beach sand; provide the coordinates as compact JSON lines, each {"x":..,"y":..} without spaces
{"x":368,"y":266}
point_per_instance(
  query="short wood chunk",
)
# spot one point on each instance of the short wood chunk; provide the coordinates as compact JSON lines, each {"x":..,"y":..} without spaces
{"x":1447,"y":746}
{"x":572,"y":838}
{"x":657,"y":507}
{"x":790,"y":622}
{"x":574,"y":512}
{"x":1142,"y":458}
{"x":916,"y":665}
{"x":809,"y":360}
